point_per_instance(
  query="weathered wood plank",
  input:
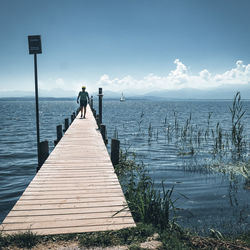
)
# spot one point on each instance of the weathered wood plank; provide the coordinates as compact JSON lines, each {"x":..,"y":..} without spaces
{"x":69,"y":200}
{"x":71,"y":223}
{"x":67,"y":230}
{"x":73,"y":192}
{"x":82,"y":210}
{"x":64,"y":217}
{"x":30,"y":196}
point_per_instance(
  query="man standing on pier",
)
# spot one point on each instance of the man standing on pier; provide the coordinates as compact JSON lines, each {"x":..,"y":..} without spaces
{"x":84,"y":99}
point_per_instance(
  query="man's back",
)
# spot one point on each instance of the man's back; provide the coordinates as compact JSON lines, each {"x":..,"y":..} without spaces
{"x":83,"y":95}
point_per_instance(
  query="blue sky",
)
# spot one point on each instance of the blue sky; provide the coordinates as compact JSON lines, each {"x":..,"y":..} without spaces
{"x":126,"y":45}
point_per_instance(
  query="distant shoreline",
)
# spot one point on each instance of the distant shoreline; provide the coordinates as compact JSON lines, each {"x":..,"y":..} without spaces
{"x":32,"y":98}
{"x":145,"y":98}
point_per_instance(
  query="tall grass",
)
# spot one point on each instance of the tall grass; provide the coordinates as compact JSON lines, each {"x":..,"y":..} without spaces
{"x":24,"y":240}
{"x":147,"y":203}
{"x":213,"y":143}
{"x":237,"y":111}
{"x":212,"y":147}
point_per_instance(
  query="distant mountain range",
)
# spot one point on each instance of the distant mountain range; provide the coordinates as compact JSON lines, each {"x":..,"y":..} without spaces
{"x":42,"y":93}
{"x":218,"y":93}
{"x":201,"y":94}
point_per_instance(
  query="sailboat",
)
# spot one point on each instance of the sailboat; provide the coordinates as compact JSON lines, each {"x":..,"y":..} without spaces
{"x":122,"y":99}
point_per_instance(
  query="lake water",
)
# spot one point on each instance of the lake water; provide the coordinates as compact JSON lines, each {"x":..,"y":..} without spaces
{"x":151,"y":130}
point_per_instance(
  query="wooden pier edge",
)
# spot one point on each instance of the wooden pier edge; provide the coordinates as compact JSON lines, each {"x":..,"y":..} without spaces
{"x":76,"y":189}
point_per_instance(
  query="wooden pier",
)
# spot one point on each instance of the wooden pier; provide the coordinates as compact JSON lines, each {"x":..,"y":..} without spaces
{"x":76,"y":189}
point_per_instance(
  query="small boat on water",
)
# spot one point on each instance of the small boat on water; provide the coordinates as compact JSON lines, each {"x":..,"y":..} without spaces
{"x":122,"y":99}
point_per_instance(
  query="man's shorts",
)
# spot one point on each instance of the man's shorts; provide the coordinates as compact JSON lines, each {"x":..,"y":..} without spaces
{"x":83,"y":103}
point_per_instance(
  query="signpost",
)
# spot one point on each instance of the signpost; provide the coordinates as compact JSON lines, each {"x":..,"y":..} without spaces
{"x":35,"y":47}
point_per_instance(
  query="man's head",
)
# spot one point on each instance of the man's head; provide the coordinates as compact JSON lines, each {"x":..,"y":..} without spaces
{"x":83,"y":88}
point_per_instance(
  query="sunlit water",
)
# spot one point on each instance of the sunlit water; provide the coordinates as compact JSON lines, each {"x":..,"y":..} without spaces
{"x":213,"y":200}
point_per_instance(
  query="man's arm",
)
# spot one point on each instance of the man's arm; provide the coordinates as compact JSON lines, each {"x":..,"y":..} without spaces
{"x":77,"y":100}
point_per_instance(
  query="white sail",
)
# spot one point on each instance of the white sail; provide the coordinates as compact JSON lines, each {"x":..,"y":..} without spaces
{"x":122,"y":99}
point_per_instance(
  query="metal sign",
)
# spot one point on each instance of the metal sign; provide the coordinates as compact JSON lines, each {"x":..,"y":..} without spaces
{"x":35,"y":45}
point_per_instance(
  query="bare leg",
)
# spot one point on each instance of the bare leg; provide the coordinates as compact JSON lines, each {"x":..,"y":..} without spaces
{"x":81,"y":111}
{"x":84,"y":112}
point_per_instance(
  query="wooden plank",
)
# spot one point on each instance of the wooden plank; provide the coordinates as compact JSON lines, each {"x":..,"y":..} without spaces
{"x":75,"y":163}
{"x":101,"y":173}
{"x":21,"y":206}
{"x":71,"y":223}
{"x":69,"y":174}
{"x":64,"y":217}
{"x":30,"y":196}
{"x":67,"y":230}
{"x":73,"y":192}
{"x":97,"y":173}
{"x":72,"y":185}
{"x":81,"y":176}
{"x":74,"y":189}
{"x":79,"y":162}
{"x":69,"y":200}
{"x":82,"y":210}
{"x":62,"y":182}
{"x":69,"y":182}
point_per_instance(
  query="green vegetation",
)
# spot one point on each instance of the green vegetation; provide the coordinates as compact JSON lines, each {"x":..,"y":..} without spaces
{"x":172,"y":238}
{"x":146,"y":203}
{"x":21,"y":240}
{"x":152,"y":207}
{"x":237,"y":112}
{"x":128,"y":236}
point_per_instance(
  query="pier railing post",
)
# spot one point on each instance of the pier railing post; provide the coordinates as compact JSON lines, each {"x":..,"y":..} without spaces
{"x":66,"y":124}
{"x":43,"y":153}
{"x":104,"y":133}
{"x":94,"y":112}
{"x":91,"y":103}
{"x":100,"y":105}
{"x":98,"y":121}
{"x":115,"y":150}
{"x":58,"y":133}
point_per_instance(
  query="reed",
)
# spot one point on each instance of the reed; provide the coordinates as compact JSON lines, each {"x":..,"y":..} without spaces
{"x":208,"y":143}
{"x":140,"y":121}
{"x":147,"y":203}
{"x":237,"y":111}
{"x":150,"y":133}
{"x":207,"y":133}
{"x":218,"y":139}
{"x":176,"y":125}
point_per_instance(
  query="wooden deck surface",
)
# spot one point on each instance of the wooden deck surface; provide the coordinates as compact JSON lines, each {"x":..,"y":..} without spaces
{"x":76,"y":190}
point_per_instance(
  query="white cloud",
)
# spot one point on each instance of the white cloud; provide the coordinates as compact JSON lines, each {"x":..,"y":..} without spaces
{"x":205,"y":75}
{"x":179,"y":78}
{"x":238,"y":75}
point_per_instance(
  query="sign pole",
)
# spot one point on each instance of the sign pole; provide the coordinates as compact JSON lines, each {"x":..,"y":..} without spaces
{"x":100,"y":105}
{"x":37,"y":109}
{"x":35,"y":47}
